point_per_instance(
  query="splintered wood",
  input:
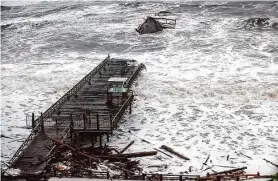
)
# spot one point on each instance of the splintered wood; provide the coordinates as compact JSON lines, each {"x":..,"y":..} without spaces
{"x":101,"y":162}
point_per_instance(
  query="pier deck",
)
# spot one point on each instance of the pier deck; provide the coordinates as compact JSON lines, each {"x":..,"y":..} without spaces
{"x":83,"y":109}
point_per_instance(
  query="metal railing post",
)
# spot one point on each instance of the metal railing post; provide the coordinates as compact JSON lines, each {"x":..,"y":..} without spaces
{"x":33,"y":120}
{"x":111,"y":123}
{"x":97,"y":122}
{"x":180,"y":178}
{"x":84,"y":121}
{"x":42,"y":123}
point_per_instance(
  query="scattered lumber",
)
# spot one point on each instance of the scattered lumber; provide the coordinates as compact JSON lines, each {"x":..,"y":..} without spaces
{"x":73,"y":149}
{"x":276,"y":165}
{"x":229,"y":171}
{"x":125,"y":148}
{"x":173,"y":152}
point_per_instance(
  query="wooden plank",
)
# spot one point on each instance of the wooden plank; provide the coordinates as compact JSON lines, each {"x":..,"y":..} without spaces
{"x":173,"y":152}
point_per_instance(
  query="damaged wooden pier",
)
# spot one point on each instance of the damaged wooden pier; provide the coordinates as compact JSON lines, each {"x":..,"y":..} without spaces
{"x":90,"y":110}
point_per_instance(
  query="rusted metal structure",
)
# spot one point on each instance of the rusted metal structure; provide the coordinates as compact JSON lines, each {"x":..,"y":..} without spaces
{"x":84,"y":111}
{"x":166,"y":19}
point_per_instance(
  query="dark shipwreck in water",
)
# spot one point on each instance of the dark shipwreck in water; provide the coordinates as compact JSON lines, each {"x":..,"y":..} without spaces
{"x":149,"y":26}
{"x":157,"y":23}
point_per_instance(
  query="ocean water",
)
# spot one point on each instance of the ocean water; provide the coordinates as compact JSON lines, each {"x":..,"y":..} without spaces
{"x":210,"y":88}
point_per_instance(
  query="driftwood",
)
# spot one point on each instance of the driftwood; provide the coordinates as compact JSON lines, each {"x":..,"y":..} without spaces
{"x":270,"y":162}
{"x":173,"y":152}
{"x":163,"y":152}
{"x":126,"y":155}
{"x":139,"y":154}
{"x":145,"y":141}
{"x":229,"y":171}
{"x":125,"y":148}
{"x":205,"y":163}
{"x":224,"y":166}
{"x":245,"y":155}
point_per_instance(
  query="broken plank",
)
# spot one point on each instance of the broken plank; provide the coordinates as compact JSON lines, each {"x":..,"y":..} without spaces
{"x":163,"y":152}
{"x":73,"y":149}
{"x":138,"y":154}
{"x":270,"y":162}
{"x":173,"y":152}
{"x":125,"y":148}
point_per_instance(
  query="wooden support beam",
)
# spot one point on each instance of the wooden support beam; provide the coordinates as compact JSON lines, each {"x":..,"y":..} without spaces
{"x":100,"y":140}
{"x":57,"y":127}
{"x":111,"y":123}
{"x":89,"y":115}
{"x":71,"y":128}
{"x":84,"y":120}
{"x":92,"y":140}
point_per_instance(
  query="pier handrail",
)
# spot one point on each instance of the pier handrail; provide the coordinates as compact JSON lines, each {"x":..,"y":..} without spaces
{"x":134,"y":75}
{"x":120,"y":113}
{"x":128,"y":83}
{"x":75,"y":89}
{"x":25,"y":144}
{"x":50,"y":110}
